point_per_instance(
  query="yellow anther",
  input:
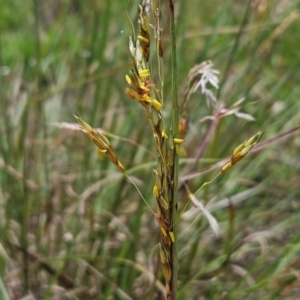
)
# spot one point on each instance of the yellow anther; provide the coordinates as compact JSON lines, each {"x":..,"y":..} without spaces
{"x":128,"y":79}
{"x":146,"y":98}
{"x":172,"y":236}
{"x":163,"y":133}
{"x":143,"y":39}
{"x":178,"y":141}
{"x":163,"y":231}
{"x":100,"y":153}
{"x":144,"y":73}
{"x":157,"y":105}
{"x":155,"y":191}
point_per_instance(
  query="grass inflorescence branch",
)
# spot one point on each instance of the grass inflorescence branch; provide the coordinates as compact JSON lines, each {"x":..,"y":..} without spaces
{"x":143,"y":89}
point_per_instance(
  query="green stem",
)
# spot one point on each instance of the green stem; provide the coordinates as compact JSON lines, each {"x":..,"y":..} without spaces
{"x":175,"y":122}
{"x":3,"y":292}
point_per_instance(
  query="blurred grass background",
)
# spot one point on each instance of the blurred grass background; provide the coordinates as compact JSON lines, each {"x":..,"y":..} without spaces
{"x":71,"y":226}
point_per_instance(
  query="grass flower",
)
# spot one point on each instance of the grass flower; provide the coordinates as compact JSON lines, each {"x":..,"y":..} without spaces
{"x":207,"y":75}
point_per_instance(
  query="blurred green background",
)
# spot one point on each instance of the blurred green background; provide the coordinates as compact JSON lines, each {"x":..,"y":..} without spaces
{"x":72,"y":226}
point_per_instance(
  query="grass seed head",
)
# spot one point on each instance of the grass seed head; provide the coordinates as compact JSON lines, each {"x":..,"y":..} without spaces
{"x":102,"y":143}
{"x":242,"y":150}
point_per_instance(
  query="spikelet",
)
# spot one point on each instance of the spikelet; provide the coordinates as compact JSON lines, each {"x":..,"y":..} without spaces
{"x":103,"y":144}
{"x":241,"y":151}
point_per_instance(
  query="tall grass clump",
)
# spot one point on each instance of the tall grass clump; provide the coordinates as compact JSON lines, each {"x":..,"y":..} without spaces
{"x":195,"y":195}
{"x":145,"y":91}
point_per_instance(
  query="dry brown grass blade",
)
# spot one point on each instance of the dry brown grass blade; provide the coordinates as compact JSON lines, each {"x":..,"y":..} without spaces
{"x":14,"y":173}
{"x":63,"y":279}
